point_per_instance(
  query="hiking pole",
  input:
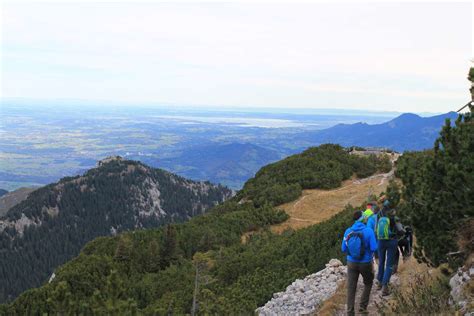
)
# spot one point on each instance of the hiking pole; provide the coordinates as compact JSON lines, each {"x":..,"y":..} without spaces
{"x":465,"y":106}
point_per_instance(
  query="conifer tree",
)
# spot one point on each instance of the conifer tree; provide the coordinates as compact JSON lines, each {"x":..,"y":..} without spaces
{"x":123,"y":250}
{"x":437,"y":194}
{"x":168,"y":247}
{"x":153,"y":257}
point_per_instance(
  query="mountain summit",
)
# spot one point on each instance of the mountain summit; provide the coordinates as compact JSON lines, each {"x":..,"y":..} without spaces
{"x":55,"y":221}
{"x":405,"y":132}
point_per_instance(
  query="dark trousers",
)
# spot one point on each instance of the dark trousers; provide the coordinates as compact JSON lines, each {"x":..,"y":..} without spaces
{"x":387,"y":251}
{"x":353,"y":271}
{"x":404,"y":248}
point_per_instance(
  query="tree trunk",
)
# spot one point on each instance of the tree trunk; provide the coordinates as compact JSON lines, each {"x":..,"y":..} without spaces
{"x":196,"y":286}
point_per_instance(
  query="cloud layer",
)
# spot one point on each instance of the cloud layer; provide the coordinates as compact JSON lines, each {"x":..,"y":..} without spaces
{"x":406,"y":57}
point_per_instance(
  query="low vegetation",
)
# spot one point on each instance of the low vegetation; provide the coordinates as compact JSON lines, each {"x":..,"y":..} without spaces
{"x":154,"y":271}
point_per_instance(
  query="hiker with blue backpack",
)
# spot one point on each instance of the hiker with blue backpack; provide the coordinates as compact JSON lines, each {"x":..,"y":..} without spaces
{"x":387,"y":230}
{"x":359,"y":244}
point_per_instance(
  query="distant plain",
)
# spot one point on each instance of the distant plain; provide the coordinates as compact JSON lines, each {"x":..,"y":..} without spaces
{"x":41,"y":143}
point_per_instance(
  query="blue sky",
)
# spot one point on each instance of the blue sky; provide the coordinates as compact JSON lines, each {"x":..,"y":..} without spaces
{"x":392,"y":57}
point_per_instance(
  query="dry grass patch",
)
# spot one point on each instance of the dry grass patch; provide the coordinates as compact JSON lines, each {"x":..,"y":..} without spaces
{"x":422,"y":291}
{"x":316,"y":206}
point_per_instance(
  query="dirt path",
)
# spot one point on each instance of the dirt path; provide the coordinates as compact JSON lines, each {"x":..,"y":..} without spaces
{"x":336,"y":305}
{"x":315,"y":206}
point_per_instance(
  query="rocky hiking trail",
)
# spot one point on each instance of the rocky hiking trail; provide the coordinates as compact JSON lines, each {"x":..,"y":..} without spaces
{"x":324,"y":292}
{"x":336,"y":304}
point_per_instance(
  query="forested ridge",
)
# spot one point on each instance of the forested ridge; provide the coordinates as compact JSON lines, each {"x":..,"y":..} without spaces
{"x":323,"y":167}
{"x":56,"y":221}
{"x":153,"y":271}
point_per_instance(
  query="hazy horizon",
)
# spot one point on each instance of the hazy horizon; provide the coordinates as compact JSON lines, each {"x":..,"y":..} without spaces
{"x":108,"y":104}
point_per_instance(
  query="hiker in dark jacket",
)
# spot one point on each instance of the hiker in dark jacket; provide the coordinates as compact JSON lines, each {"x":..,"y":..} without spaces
{"x":387,"y":233}
{"x":405,"y":245}
{"x":359,"y":243}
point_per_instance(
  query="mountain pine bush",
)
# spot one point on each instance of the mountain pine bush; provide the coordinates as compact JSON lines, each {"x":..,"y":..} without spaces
{"x":438,"y":194}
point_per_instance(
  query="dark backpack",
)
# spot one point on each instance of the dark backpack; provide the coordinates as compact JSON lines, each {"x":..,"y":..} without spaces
{"x":355,"y":245}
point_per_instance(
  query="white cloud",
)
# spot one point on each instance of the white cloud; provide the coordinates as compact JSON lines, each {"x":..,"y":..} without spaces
{"x":304,"y":55}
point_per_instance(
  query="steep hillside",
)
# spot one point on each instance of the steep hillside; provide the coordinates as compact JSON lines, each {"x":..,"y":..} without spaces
{"x":55,"y":221}
{"x":154,"y":271}
{"x":230,"y":164}
{"x":10,"y":199}
{"x":406,"y":132}
{"x":3,"y":192}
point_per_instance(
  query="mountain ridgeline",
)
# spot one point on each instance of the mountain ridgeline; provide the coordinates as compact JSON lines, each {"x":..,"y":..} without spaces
{"x":154,"y":271}
{"x":56,"y":221}
{"x":405,"y":132}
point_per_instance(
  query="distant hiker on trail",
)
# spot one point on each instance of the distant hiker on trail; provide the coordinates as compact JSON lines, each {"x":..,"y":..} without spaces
{"x":387,"y":230}
{"x":359,"y":243}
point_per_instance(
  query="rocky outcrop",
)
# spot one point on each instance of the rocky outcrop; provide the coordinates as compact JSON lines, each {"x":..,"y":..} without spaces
{"x":303,"y":297}
{"x":460,"y":297}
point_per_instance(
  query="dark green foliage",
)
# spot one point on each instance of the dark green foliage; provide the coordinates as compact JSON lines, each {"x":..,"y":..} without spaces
{"x":155,"y":269}
{"x":384,"y":164}
{"x":244,"y":276}
{"x":323,"y":167}
{"x":438,"y":190}
{"x":78,"y":209}
{"x":393,"y":193}
{"x":471,"y":74}
{"x":152,"y":285}
{"x":168,"y":248}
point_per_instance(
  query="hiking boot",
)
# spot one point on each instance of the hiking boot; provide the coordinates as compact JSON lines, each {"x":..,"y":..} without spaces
{"x":363,"y":311}
{"x":385,"y":291}
{"x":378,"y":286}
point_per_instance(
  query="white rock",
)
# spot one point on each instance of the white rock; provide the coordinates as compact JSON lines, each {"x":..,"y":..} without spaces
{"x":335,"y":263}
{"x":303,"y":297}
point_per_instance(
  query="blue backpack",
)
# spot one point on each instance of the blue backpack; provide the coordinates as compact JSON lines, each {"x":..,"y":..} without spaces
{"x":355,"y":245}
